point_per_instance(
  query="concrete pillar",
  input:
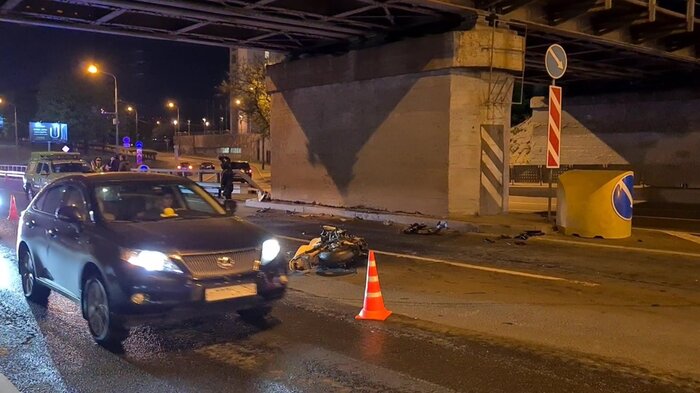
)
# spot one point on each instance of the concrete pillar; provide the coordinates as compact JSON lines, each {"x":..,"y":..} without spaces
{"x":414,"y":126}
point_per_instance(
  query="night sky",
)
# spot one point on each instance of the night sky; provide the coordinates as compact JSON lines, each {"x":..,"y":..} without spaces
{"x":149,"y":71}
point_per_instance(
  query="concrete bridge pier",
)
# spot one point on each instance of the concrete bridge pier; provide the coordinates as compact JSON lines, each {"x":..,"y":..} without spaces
{"x":419,"y":125}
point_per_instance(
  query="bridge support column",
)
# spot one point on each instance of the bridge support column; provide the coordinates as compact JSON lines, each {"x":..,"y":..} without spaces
{"x":415,"y":126}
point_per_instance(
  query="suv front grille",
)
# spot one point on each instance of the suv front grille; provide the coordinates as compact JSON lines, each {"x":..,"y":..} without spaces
{"x":204,"y":266}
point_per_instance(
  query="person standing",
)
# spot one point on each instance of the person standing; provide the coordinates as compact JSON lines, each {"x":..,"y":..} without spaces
{"x":226,"y":180}
{"x":97,"y":165}
{"x":124,"y":164}
{"x":114,"y":164}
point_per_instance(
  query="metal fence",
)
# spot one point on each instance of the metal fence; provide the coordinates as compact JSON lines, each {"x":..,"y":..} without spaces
{"x":539,"y":174}
{"x":16,"y":171}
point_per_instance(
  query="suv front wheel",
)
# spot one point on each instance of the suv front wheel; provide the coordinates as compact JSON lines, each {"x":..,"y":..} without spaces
{"x":96,"y":308}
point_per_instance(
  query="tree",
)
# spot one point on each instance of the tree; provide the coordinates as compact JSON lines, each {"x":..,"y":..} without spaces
{"x":247,"y":87}
{"x":77,"y":102}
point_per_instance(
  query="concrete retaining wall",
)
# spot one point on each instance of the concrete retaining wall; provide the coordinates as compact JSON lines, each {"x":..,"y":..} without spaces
{"x":658,"y":134}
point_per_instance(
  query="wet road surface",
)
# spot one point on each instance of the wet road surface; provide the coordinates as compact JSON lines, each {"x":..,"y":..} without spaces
{"x":308,"y":345}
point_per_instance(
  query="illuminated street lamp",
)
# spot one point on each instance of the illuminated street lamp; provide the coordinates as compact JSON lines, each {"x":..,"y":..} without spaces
{"x":173,"y":105}
{"x":238,"y":101}
{"x":133,"y":110}
{"x":4,"y":102}
{"x":92,"y":69}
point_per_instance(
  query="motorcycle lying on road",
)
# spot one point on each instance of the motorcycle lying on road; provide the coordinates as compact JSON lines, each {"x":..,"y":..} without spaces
{"x":333,"y":249}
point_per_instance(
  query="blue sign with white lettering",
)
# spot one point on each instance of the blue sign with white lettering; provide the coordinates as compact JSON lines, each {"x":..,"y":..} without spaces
{"x":48,"y":132}
{"x":144,"y":168}
{"x":622,"y":199}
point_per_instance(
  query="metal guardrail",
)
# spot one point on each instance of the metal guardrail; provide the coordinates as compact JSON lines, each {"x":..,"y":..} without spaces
{"x":202,"y":175}
{"x":539,"y":174}
{"x":14,"y":171}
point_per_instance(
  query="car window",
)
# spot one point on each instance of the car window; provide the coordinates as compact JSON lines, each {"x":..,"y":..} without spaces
{"x":51,"y":200}
{"x":153,"y":201}
{"x":67,"y":167}
{"x":73,"y":196}
{"x":40,"y":167}
{"x":240,"y":165}
{"x":194,"y":201}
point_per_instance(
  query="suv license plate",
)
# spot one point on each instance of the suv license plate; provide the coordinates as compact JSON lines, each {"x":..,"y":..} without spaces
{"x":230,"y":292}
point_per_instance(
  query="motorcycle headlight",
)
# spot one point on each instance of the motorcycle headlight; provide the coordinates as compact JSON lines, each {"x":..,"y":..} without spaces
{"x":152,"y":261}
{"x":270,"y":249}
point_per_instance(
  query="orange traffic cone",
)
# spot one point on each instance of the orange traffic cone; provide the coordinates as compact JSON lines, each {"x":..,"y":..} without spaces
{"x":373,"y":307}
{"x":14,"y":215}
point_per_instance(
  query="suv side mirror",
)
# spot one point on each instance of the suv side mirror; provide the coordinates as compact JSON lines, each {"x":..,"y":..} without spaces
{"x":230,"y":206}
{"x":69,"y":214}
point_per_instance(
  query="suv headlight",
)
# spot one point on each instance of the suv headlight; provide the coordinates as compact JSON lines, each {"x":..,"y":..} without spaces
{"x":153,"y":261}
{"x":270,"y":249}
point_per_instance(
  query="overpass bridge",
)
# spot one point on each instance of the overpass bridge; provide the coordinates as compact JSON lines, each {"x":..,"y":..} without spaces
{"x":606,"y":39}
{"x":404,"y":105}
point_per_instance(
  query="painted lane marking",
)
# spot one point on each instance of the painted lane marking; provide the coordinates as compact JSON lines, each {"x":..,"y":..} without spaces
{"x":469,"y":266}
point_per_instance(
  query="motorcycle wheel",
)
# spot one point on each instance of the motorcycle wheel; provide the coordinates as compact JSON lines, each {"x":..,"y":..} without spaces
{"x":341,"y":257}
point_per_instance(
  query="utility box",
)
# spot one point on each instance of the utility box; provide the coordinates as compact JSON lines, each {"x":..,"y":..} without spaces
{"x":595,"y":203}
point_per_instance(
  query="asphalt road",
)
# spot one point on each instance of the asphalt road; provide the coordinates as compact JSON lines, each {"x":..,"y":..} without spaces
{"x":314,"y":344}
{"x":303,"y":347}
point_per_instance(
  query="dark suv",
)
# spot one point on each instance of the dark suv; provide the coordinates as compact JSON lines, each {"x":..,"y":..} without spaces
{"x":135,"y":248}
{"x":241,"y":166}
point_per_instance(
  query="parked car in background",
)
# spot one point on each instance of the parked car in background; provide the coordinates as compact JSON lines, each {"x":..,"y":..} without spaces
{"x":207,"y":165}
{"x":241,"y":166}
{"x":45,"y":167}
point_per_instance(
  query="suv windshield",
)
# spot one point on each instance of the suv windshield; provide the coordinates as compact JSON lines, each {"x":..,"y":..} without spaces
{"x":154,"y":201}
{"x":240,"y":165}
{"x":65,"y":167}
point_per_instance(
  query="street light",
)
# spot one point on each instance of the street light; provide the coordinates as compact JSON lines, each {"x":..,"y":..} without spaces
{"x":238,"y":101}
{"x":172,"y":105}
{"x":3,"y":102}
{"x":92,"y":69}
{"x":136,"y":113}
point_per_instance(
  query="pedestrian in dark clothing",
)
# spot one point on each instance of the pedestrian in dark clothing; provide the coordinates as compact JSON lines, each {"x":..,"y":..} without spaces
{"x":114,"y":164}
{"x":226,"y":180}
{"x":124,"y":164}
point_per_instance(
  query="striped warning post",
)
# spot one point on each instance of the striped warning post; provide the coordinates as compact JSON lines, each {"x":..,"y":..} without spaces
{"x":492,"y":165}
{"x":554,"y":127}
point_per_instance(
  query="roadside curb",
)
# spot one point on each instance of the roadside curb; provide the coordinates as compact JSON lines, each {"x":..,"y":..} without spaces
{"x":397,"y":218}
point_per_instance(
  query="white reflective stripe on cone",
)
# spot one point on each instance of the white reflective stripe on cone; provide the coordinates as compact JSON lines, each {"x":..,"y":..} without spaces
{"x":375,"y":294}
{"x":373,"y":279}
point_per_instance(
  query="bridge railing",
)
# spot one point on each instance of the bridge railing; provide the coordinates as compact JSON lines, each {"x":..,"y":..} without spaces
{"x":16,"y":171}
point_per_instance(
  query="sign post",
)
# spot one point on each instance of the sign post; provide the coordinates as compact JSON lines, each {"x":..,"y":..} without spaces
{"x":139,"y":152}
{"x":555,"y":62}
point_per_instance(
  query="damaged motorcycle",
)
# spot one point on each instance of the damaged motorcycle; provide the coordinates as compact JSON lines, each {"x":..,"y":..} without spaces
{"x":333,"y":249}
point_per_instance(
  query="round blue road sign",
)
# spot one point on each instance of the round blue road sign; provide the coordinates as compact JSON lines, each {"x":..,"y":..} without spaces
{"x":139,"y":144}
{"x":144,"y":168}
{"x":622,"y":199}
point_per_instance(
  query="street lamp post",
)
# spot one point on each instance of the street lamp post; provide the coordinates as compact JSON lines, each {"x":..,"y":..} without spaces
{"x":94,"y":70}
{"x":15,"y":110}
{"x":136,"y":114}
{"x":189,"y":129}
{"x":172,"y":105}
